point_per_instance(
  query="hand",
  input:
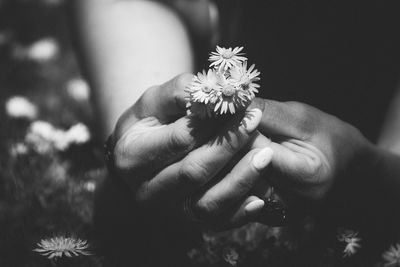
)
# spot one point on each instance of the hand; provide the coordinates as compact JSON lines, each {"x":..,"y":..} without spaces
{"x":165,"y":156}
{"x":312,"y":149}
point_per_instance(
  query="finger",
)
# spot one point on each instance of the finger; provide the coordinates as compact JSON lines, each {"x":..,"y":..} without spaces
{"x":297,"y":167}
{"x":248,"y":211}
{"x":165,"y":102}
{"x":288,"y":119}
{"x":234,"y":186}
{"x":242,"y":212}
{"x":149,"y":145}
{"x":168,"y":98}
{"x":200,"y":165}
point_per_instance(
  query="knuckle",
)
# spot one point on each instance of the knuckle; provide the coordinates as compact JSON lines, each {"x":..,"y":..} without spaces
{"x":244,"y":185}
{"x":258,"y":103}
{"x":182,"y":80}
{"x":232,"y":146}
{"x":193,"y":174}
{"x":178,"y":93}
{"x":180,"y":141}
{"x":142,"y":107}
{"x":314,"y":171}
{"x":305,"y":118}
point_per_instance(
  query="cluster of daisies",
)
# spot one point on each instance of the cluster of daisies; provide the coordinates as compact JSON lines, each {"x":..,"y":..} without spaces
{"x":228,"y":86}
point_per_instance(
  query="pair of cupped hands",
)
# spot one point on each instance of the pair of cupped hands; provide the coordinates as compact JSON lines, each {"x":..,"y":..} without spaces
{"x":227,"y":164}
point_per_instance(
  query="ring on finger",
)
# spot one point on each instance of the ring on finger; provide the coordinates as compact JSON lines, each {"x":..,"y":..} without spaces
{"x":274,"y":212}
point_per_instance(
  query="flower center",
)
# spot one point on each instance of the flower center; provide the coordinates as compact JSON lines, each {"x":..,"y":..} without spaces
{"x":228,"y":90}
{"x":206,"y":89}
{"x":246,"y":84}
{"x":227,"y":54}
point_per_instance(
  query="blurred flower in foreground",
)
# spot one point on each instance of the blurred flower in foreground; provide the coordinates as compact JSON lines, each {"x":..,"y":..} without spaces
{"x":351,"y":239}
{"x":18,"y":149}
{"x":44,"y":137}
{"x":230,"y":255}
{"x":20,"y":107}
{"x":43,"y":50}
{"x":226,"y":87}
{"x":78,"y":89}
{"x":391,"y":257}
{"x":58,"y":247}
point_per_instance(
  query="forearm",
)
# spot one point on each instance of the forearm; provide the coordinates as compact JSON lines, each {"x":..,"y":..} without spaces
{"x":127,"y":46}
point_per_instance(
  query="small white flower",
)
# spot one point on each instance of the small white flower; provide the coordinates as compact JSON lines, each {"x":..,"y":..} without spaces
{"x":40,"y":136}
{"x":58,"y":247}
{"x":18,"y":149}
{"x":231,"y":98}
{"x":78,"y":134}
{"x":90,"y":186}
{"x":352,"y":241}
{"x":352,"y":246}
{"x":204,"y":87}
{"x":43,"y":50}
{"x":60,"y":140}
{"x":43,"y":129}
{"x":245,"y":78}
{"x":20,"y":107}
{"x":225,"y":58}
{"x":391,"y":257}
{"x":231,"y":256}
{"x":78,"y":89}
{"x":44,"y":137}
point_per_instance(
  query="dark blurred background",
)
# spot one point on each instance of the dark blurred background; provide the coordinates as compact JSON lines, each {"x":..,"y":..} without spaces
{"x":51,"y":161}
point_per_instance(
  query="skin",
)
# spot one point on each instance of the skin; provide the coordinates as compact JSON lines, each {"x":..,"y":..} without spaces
{"x":312,"y":152}
{"x":177,"y":157}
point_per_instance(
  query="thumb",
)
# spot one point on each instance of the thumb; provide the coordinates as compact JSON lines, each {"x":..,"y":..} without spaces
{"x":295,"y":165}
{"x":165,"y":102}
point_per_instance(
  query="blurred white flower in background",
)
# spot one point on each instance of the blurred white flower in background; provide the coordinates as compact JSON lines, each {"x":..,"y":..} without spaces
{"x":90,"y":186}
{"x":391,"y":257}
{"x":20,"y":107}
{"x":40,"y":135}
{"x":58,"y":247}
{"x":230,"y":255}
{"x":351,"y":239}
{"x":18,"y":149}
{"x":44,"y":137}
{"x":43,"y":50}
{"x":78,"y":89}
{"x":78,"y":134}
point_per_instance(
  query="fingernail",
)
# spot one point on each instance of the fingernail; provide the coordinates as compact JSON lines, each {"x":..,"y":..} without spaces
{"x":251,"y":119}
{"x":262,"y":158}
{"x":254,"y":206}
